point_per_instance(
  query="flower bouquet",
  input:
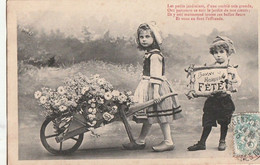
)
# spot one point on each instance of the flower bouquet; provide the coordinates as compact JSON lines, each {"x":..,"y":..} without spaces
{"x":92,"y":97}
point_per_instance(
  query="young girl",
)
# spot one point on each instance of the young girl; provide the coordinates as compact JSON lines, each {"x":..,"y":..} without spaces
{"x":152,"y":86}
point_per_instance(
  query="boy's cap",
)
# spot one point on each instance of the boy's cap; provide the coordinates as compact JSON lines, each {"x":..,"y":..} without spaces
{"x":226,"y":40}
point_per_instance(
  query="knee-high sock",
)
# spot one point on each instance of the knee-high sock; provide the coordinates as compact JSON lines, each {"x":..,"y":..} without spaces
{"x":223,"y":131}
{"x":205,"y":134}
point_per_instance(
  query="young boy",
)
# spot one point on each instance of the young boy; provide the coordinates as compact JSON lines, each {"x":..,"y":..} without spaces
{"x":219,"y":106}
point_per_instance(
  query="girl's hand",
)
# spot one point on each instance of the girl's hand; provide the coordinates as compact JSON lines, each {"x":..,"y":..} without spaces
{"x":156,"y":97}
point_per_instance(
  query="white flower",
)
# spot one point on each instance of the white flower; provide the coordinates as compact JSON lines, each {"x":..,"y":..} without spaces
{"x":43,"y":100}
{"x":93,"y":105}
{"x":94,"y":122}
{"x":93,"y":100}
{"x":90,"y":101}
{"x":131,"y":98}
{"x":90,"y":110}
{"x":114,"y":109}
{"x":102,"y":91}
{"x":129,"y":93}
{"x":91,"y":117}
{"x":94,"y":111}
{"x":62,"y":108}
{"x":108,"y":95}
{"x":101,"y":81}
{"x":37,"y":94}
{"x":122,"y":98}
{"x":61,"y":90}
{"x":100,"y":101}
{"x":84,"y":89}
{"x":57,"y":102}
{"x":107,"y":116}
{"x":115,"y":93}
{"x":96,"y":76}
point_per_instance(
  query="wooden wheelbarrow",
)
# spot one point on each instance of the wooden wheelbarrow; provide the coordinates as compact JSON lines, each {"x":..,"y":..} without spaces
{"x":60,"y":143}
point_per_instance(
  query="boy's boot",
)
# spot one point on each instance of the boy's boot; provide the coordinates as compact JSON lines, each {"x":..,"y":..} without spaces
{"x":222,"y":145}
{"x":198,"y":146}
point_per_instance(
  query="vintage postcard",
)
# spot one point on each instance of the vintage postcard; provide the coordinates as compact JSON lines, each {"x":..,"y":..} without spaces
{"x":144,"y":82}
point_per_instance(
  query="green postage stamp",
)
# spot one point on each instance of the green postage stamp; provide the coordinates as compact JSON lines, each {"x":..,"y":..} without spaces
{"x":246,"y":136}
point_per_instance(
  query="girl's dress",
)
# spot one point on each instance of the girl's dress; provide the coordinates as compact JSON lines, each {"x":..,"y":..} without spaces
{"x":153,"y":73}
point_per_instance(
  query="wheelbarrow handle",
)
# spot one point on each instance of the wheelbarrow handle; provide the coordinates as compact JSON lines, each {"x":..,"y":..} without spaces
{"x":139,"y":106}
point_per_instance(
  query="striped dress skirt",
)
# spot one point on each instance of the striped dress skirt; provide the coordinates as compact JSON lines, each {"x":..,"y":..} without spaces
{"x":163,"y":112}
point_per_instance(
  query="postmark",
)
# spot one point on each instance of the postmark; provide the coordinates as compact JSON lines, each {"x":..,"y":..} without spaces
{"x":246,"y":136}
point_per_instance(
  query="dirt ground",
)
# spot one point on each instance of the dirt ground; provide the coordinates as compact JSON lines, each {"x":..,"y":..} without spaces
{"x":108,"y":145}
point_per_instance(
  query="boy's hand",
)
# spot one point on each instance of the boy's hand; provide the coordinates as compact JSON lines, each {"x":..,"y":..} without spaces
{"x":191,"y":95}
{"x":231,"y":70}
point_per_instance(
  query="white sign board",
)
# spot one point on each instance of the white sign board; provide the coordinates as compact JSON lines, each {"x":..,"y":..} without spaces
{"x":207,"y":79}
{"x":210,"y":80}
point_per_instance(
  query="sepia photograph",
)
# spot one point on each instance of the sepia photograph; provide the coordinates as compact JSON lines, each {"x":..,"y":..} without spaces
{"x":133,"y":80}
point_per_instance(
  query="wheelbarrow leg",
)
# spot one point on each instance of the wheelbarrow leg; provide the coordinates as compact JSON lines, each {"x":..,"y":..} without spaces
{"x":127,"y":126}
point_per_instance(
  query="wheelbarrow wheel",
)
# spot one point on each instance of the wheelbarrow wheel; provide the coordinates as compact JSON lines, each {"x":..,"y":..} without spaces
{"x":47,"y":135}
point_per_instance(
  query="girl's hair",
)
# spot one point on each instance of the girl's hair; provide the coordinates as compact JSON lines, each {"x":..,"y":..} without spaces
{"x":145,"y":27}
{"x":218,"y":46}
